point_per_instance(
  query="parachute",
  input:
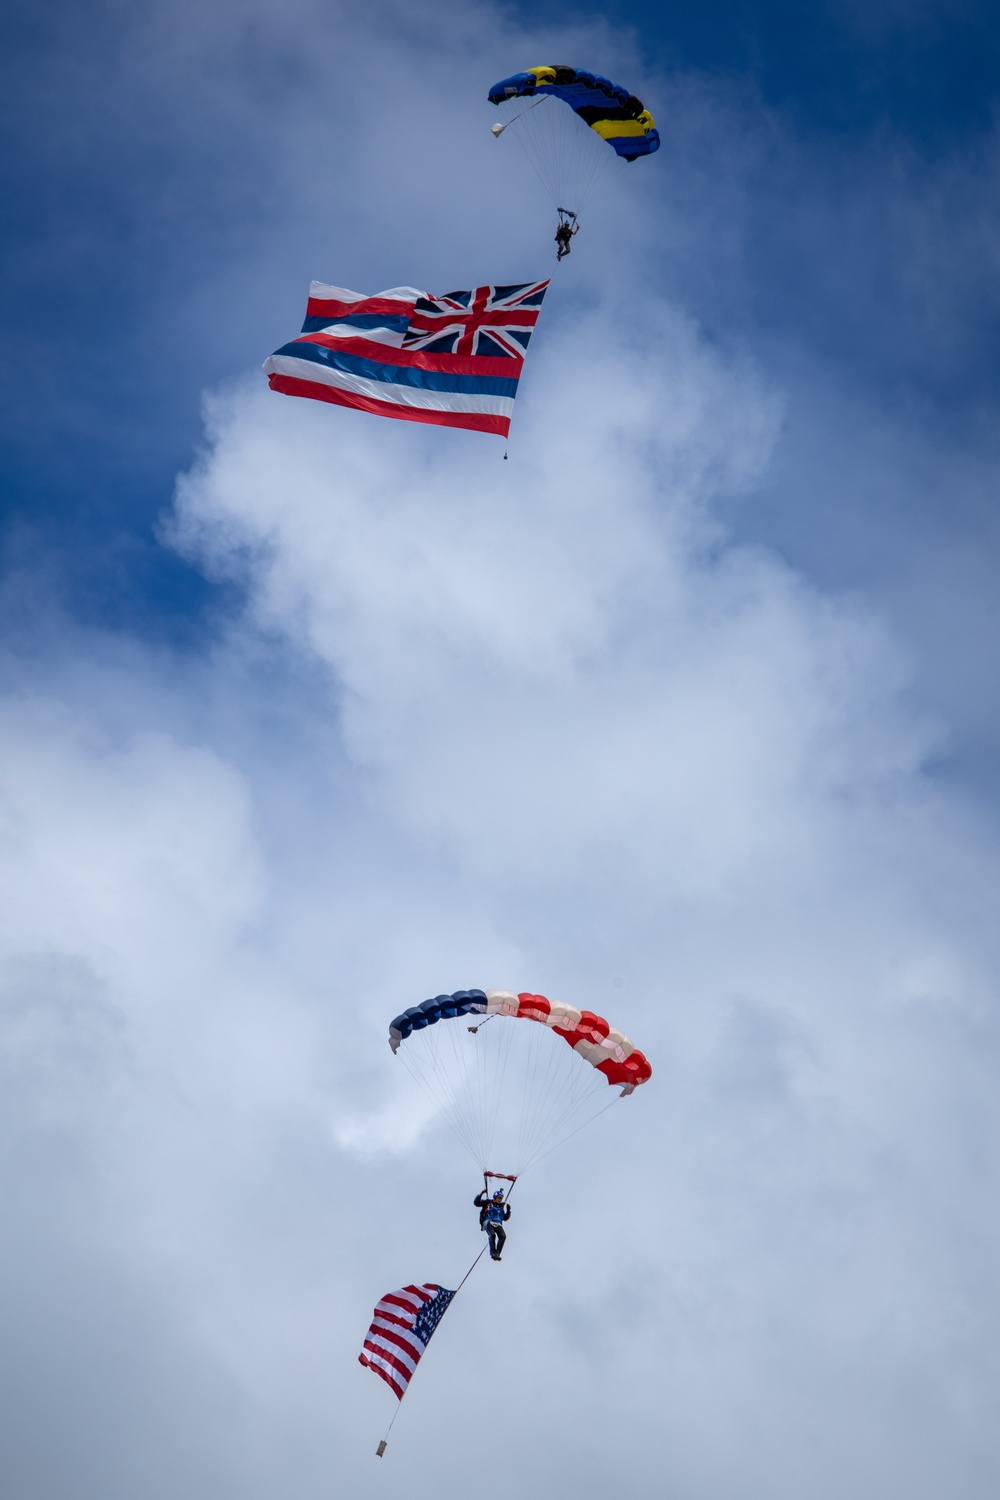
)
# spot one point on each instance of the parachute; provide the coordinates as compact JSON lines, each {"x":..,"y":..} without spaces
{"x":571,"y":125}
{"x":512,"y":1091}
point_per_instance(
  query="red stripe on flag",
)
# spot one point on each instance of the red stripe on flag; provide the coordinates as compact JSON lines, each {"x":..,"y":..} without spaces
{"x":390,"y":1317}
{"x":419,"y":359}
{"x":290,"y":385}
{"x":320,"y":307}
{"x":395,"y":1300}
{"x":413,"y":1348}
{"x":384,"y":1375}
{"x":405,"y":1369}
{"x":398,"y":1365}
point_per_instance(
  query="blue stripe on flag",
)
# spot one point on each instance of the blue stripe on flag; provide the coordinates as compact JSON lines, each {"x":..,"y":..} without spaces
{"x":426,"y":380}
{"x":360,"y":321}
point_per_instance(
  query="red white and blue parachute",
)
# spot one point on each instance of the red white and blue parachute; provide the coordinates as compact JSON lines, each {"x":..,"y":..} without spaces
{"x":508,"y":1088}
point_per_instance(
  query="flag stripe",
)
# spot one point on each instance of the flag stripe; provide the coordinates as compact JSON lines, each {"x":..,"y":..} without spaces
{"x":477,"y":422}
{"x":408,"y":1296}
{"x":385,"y":1375}
{"x":422,"y":359}
{"x":319,"y":291}
{"x":407,"y":1354}
{"x":404,"y":1363}
{"x":388,"y":392}
{"x":411,"y":1346}
{"x":390,"y":1317}
{"x":332,"y":356}
{"x":325,"y":320}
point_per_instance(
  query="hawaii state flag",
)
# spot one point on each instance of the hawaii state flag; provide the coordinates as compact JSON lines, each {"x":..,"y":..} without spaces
{"x":453,"y":360}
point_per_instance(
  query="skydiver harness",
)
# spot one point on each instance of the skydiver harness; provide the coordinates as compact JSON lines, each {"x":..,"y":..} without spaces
{"x":494,"y":1213}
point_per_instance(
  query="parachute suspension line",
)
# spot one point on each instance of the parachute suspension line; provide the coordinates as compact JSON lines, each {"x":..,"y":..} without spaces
{"x":548,"y":1105}
{"x":380,"y":1450}
{"x":515,"y":1090}
{"x":536,"y":1090}
{"x":544,"y":1101}
{"x":535,"y":147}
{"x":540,"y":1156}
{"x":473,"y":1077}
{"x":526,"y":1096}
{"x":567,"y":156}
{"x":521,"y":113}
{"x":506,"y":1043}
{"x":464,"y":1116}
{"x":437,"y":1084}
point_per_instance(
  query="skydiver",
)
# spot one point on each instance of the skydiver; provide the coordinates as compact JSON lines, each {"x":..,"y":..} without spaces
{"x":568,"y":226}
{"x":493,"y":1215}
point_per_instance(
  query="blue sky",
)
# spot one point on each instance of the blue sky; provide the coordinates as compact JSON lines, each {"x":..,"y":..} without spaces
{"x":688,"y":712}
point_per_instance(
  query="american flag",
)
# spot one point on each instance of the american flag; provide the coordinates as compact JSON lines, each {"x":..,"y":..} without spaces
{"x":401,"y":1329}
{"x":454,"y":361}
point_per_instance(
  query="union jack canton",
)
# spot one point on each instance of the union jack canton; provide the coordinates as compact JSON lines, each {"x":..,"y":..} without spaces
{"x":491,"y":320}
{"x":454,"y":360}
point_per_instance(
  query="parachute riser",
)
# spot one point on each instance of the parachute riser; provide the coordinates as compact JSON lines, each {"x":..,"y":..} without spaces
{"x":500,"y":1177}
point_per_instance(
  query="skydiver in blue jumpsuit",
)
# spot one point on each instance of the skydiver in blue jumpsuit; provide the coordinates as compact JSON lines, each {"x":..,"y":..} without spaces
{"x":493,"y":1215}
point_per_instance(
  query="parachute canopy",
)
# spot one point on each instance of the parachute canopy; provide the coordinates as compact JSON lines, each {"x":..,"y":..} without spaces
{"x":617,"y":116}
{"x":507,"y":1088}
{"x":608,"y":1050}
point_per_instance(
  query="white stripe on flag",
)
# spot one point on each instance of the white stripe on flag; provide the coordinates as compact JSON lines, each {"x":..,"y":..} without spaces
{"x":403,"y":1361}
{"x":412,"y":1342}
{"x":381,"y":390}
{"x":370,"y":335}
{"x":324,"y":293}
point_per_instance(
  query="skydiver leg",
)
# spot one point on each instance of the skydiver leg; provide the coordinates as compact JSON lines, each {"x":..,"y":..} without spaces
{"x":501,"y":1240}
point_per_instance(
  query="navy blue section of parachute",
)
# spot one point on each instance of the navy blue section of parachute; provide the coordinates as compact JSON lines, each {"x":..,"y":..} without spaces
{"x":585,"y":88}
{"x":441,"y":1008}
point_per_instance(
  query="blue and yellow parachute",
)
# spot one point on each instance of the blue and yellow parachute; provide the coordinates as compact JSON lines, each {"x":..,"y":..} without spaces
{"x":617,"y":116}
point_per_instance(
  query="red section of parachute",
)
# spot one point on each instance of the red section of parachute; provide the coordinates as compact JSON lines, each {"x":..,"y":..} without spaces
{"x":593,"y":1030}
{"x":635,"y":1069}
